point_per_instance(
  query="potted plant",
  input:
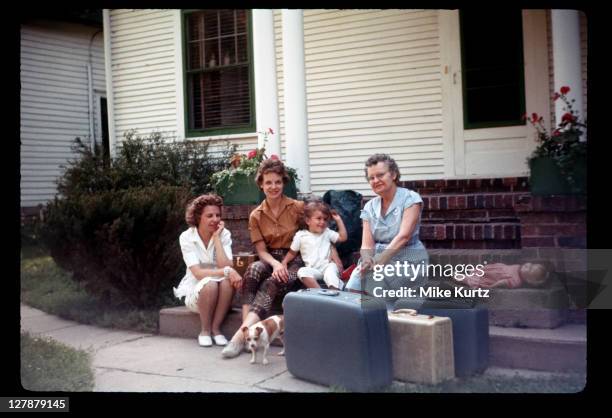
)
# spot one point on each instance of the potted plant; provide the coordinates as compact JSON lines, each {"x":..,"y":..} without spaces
{"x":558,"y":164}
{"x":237,"y":185}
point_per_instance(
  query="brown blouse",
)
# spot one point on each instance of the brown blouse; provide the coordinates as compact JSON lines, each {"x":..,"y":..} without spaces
{"x":276,"y":232}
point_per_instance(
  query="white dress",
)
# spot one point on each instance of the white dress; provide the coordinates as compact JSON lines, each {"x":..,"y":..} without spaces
{"x":196,"y":253}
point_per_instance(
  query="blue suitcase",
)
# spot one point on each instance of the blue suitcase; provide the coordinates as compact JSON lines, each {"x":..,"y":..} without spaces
{"x":338,"y":338}
{"x":470,"y":329}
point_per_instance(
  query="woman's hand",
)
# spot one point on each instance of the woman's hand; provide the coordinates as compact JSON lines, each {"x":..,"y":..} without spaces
{"x":217,"y":233}
{"x":280,"y":272}
{"x":367,"y":264}
{"x":235,"y":279}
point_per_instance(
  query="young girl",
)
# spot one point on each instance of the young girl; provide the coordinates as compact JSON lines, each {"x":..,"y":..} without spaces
{"x":210,"y":280}
{"x":314,"y":246}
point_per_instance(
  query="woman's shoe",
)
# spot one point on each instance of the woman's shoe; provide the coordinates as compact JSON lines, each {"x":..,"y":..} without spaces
{"x":232,"y":349}
{"x":220,"y":339}
{"x":204,"y":340}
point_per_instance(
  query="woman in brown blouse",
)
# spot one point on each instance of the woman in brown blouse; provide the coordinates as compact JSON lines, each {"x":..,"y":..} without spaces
{"x":272,"y":226}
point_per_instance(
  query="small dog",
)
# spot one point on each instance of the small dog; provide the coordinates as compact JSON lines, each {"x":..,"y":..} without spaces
{"x":262,"y":334}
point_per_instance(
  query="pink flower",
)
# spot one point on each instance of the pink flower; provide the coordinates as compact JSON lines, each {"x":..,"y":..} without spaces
{"x":252,"y":154}
{"x":564,"y":90}
{"x":274,"y":157}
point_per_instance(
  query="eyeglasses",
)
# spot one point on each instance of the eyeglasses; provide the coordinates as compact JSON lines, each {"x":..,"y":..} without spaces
{"x":378,"y":176}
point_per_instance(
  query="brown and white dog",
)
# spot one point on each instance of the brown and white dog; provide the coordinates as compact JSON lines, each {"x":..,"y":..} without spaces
{"x":262,"y":334}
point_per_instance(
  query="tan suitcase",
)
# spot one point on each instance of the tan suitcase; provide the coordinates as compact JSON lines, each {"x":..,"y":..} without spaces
{"x":422,"y":347}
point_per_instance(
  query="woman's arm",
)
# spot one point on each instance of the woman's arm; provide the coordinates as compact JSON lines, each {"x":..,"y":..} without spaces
{"x":409,"y":221}
{"x":280,"y":272}
{"x":201,"y":272}
{"x":367,"y":247}
{"x":221,"y":257}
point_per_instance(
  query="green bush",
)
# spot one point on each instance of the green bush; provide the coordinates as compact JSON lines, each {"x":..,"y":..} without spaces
{"x":48,"y":365}
{"x":115,"y":225}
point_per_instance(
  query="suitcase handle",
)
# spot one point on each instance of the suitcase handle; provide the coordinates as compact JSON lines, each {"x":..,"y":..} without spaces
{"x":411,"y":312}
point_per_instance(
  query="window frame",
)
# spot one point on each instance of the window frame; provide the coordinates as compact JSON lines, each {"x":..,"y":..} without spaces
{"x":239,"y":129}
{"x":498,"y":124}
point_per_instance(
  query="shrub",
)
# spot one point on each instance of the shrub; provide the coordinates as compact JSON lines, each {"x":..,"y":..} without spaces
{"x":116,"y":226}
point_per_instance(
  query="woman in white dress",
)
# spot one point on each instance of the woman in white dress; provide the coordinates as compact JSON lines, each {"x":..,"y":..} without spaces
{"x":210,"y":280}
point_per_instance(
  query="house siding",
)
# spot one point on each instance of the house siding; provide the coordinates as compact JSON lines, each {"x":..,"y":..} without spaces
{"x":144,"y":71}
{"x":372,"y":81}
{"x":54,"y":101}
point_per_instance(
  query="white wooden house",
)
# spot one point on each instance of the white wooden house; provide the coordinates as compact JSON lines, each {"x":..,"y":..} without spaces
{"x":442,"y":91}
{"x":63,"y":92}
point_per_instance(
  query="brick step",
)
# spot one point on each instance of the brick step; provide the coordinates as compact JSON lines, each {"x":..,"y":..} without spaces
{"x":472,"y":231}
{"x":507,"y":184}
{"x":561,"y":349}
{"x":471,"y":201}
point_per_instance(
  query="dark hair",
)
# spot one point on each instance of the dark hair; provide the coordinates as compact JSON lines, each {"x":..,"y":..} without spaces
{"x":383,"y":158}
{"x":194,"y":210}
{"x":271,"y":166}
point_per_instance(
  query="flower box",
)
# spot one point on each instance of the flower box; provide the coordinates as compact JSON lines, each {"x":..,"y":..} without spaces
{"x":245,"y":191}
{"x":547,"y":179}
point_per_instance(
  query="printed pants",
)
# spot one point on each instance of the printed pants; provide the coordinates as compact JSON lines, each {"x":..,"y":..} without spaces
{"x":259,"y":288}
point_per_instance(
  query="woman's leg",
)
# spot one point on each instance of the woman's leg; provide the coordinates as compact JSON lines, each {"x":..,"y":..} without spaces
{"x":224,"y":301}
{"x":207,"y":301}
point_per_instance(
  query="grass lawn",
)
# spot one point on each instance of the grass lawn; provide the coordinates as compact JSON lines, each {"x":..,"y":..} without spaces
{"x":47,"y":365}
{"x":47,"y":287}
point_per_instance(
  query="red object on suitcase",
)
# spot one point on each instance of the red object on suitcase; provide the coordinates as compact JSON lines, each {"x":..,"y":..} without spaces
{"x":346,"y":274}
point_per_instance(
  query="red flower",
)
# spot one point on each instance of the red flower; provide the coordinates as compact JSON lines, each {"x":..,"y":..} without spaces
{"x":274,"y":157}
{"x":567,"y":118}
{"x":252,"y":154}
{"x":525,"y":116}
{"x":534,"y":117}
{"x":556,"y":132}
{"x":564,"y":90}
{"x":270,"y":131}
{"x":556,"y":96}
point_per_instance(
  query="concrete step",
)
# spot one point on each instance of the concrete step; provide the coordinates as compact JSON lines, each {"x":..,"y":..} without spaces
{"x":558,"y":350}
{"x":181,"y":322}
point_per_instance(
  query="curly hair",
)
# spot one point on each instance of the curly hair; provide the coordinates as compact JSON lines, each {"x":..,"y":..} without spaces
{"x":196,"y":207}
{"x":383,"y":158}
{"x":271,"y":166}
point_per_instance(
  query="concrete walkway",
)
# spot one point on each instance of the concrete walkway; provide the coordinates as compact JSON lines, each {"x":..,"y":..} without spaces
{"x":126,"y":361}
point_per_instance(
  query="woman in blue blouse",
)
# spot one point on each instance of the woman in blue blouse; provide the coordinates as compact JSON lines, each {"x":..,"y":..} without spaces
{"x":391,"y":223}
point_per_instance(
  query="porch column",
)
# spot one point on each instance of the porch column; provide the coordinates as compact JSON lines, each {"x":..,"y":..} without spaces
{"x":266,"y":92}
{"x":296,"y":117}
{"x":566,"y":58}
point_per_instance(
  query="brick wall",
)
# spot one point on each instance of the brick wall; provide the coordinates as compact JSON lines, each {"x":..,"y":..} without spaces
{"x":475,"y":214}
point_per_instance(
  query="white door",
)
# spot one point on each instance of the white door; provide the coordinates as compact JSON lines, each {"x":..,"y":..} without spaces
{"x":492,"y":151}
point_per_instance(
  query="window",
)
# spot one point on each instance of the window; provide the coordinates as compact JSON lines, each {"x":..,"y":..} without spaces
{"x":218,"y":72}
{"x":492,"y":68}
